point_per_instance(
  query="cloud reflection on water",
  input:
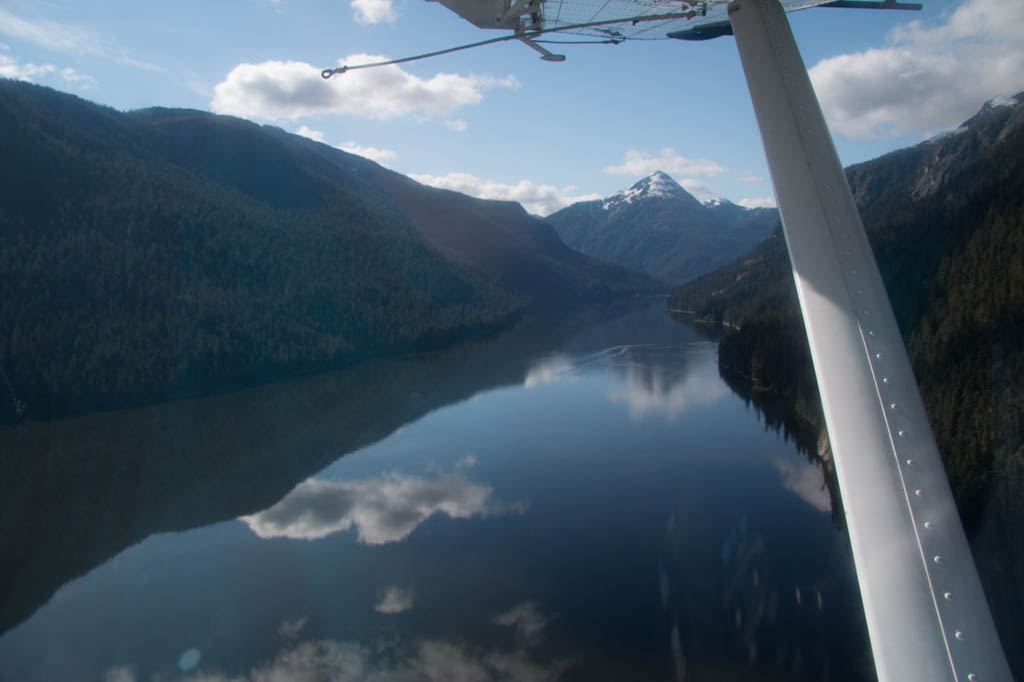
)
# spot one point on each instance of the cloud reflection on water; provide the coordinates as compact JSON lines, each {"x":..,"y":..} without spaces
{"x":548,"y":370}
{"x":382,"y":509}
{"x":427,"y":660}
{"x":806,"y":481}
{"x":526,"y":618}
{"x":650,"y":389}
{"x":393,"y":600}
{"x":658,"y":379}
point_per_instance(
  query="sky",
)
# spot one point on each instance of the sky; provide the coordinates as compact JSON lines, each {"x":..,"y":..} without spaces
{"x":496,"y":121}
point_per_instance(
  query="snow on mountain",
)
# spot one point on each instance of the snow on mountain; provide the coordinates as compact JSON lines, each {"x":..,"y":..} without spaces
{"x":662,"y":228}
{"x":1002,"y":101}
{"x":657,"y":185}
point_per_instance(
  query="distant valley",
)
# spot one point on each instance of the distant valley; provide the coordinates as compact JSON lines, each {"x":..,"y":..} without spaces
{"x":656,"y":226}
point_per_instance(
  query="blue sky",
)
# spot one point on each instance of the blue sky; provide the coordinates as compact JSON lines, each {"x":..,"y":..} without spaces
{"x":498,"y":122}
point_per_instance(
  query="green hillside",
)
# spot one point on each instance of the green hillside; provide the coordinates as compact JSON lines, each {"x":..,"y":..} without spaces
{"x":166,"y":253}
{"x":946,"y":221}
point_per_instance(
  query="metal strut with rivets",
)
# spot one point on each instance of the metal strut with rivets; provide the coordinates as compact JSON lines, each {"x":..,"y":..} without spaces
{"x":925,"y":609}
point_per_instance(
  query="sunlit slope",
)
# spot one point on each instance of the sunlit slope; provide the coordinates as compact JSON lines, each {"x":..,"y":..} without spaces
{"x":656,"y":226}
{"x":946,"y":221}
{"x":172,"y":252}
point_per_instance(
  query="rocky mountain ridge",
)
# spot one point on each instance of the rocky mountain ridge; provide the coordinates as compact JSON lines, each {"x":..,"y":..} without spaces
{"x":656,"y":226}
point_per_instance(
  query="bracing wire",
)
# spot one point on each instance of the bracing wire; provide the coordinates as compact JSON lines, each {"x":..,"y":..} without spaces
{"x":610,"y":41}
{"x":530,"y":35}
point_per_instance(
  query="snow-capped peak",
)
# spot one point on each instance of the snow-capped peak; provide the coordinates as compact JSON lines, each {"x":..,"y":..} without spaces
{"x":1001,"y":101}
{"x":716,"y":201}
{"x":656,"y":185}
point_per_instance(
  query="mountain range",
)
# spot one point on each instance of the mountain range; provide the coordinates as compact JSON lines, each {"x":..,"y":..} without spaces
{"x":167,"y":252}
{"x":656,"y":226}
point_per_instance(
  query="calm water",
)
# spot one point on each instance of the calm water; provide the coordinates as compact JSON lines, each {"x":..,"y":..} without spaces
{"x":580,"y":500}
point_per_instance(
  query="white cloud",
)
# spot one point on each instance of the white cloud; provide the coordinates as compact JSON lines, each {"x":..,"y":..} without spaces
{"x":749,"y":178}
{"x":383,"y":509}
{"x":288,"y":90}
{"x":535,"y":198}
{"x":526,"y":618}
{"x":372,"y":153}
{"x":927,"y":77}
{"x":465,"y":463}
{"x":373,"y":11}
{"x":698,"y":189}
{"x":352,"y":147}
{"x":394,"y":600}
{"x":64,"y":38}
{"x":316,"y":135}
{"x":641,"y":163}
{"x":12,"y":68}
{"x":72,"y":76}
{"x":456,"y":124}
{"x":757,"y":202}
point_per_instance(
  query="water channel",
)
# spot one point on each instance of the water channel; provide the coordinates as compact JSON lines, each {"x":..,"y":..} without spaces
{"x":580,"y":499}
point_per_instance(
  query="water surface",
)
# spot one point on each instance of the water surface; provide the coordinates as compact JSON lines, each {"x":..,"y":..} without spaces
{"x":584,"y":499}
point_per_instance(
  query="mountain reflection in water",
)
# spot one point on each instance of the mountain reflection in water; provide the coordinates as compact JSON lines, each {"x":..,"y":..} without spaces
{"x":575,"y":500}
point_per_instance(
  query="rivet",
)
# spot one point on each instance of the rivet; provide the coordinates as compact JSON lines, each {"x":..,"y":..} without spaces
{"x":937,"y":559}
{"x":919,"y":492}
{"x":877,"y":355}
{"x":901,"y":433}
{"x":910,"y":462}
{"x":849,"y":253}
{"x":885,"y":380}
{"x":927,"y":524}
{"x":948,"y":596}
{"x":972,"y":677}
{"x":959,"y":635}
{"x":871,"y":332}
{"x":892,"y":406}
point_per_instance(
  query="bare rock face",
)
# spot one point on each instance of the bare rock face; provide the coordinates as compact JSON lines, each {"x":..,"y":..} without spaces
{"x":947,"y":152}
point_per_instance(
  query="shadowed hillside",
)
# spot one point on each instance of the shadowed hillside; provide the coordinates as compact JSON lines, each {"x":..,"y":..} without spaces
{"x":167,"y":253}
{"x":946,"y":222}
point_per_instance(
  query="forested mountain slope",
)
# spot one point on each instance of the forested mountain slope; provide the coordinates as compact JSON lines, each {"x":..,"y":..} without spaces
{"x":946,"y":222}
{"x":656,"y":226}
{"x":172,"y":252}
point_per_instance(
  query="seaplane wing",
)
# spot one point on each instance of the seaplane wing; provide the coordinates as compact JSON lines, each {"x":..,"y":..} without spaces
{"x":611,"y":21}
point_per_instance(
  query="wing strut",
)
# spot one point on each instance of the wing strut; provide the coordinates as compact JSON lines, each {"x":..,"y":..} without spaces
{"x":926,"y":613}
{"x":545,"y":54}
